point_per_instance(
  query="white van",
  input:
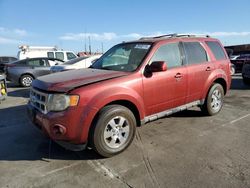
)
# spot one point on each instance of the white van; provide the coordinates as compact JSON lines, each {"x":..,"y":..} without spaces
{"x":43,"y":51}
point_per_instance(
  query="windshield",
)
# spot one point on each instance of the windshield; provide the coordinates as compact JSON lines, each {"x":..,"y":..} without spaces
{"x":125,"y":57}
{"x":73,"y":61}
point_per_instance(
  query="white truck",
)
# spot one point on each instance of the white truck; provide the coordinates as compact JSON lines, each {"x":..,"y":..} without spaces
{"x":44,"y":51}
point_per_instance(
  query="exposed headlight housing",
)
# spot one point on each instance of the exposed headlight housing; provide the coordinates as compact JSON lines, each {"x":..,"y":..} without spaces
{"x":60,"y":102}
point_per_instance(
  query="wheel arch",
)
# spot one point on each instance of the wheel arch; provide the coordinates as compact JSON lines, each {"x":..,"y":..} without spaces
{"x":126,"y":103}
{"x":131,"y":106}
{"x":223,"y":83}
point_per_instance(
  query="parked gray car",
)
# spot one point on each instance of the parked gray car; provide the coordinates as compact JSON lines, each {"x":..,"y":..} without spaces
{"x":25,"y":71}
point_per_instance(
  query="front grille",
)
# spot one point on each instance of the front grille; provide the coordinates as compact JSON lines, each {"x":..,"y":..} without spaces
{"x":39,"y":100}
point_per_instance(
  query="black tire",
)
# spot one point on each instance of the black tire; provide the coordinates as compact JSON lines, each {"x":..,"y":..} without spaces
{"x":26,"y":80}
{"x":214,"y":100}
{"x":108,"y":141}
{"x":246,"y":80}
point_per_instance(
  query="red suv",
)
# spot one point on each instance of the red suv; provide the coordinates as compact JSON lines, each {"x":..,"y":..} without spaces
{"x":131,"y":84}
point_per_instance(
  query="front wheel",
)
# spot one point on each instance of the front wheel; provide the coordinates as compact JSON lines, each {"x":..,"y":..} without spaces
{"x":113,"y":130}
{"x":214,"y":100}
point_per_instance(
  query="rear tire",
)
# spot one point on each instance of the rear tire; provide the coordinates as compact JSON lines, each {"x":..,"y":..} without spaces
{"x":246,"y":80}
{"x":113,"y":130}
{"x":214,"y":100}
{"x":26,"y":80}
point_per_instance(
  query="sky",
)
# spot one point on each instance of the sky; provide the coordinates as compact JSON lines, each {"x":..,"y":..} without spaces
{"x":69,"y":24}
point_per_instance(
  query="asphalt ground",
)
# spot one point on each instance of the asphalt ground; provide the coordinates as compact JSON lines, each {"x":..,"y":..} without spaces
{"x":186,"y":149}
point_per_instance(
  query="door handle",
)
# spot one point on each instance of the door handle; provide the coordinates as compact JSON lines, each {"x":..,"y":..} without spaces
{"x":208,"y":69}
{"x":178,"y":76}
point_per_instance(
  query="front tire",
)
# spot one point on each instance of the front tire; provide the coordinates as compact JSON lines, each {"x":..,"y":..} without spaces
{"x":214,"y":100}
{"x":26,"y":80}
{"x":113,"y":130}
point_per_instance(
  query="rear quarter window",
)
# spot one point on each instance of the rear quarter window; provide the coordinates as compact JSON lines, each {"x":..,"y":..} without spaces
{"x":217,"y":50}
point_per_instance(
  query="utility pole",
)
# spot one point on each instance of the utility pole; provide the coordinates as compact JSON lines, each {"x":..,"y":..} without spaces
{"x":89,"y":46}
{"x":85,"y":45}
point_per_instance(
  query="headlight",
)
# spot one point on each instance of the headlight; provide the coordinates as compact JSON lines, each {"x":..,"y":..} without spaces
{"x":59,"y":102}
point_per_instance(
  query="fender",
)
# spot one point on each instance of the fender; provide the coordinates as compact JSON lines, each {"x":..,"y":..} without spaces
{"x":108,"y":96}
{"x":216,"y":74}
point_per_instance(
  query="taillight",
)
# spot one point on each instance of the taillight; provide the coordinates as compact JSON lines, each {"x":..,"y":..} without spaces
{"x":10,"y":65}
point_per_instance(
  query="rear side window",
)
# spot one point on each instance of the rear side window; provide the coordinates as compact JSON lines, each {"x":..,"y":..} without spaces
{"x":216,"y":49}
{"x":169,"y":53}
{"x":195,"y":53}
{"x":13,"y":59}
{"x":5,"y":59}
{"x":23,"y":62}
{"x":60,"y":55}
{"x":37,"y":63}
{"x":50,"y":55}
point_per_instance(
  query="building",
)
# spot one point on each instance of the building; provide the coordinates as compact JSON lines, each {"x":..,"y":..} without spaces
{"x":238,"y":49}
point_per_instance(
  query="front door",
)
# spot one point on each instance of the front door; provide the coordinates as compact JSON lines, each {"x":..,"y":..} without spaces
{"x":166,"y":90}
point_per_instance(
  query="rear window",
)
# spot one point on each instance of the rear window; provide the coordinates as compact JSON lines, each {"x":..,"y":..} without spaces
{"x":60,"y":55}
{"x":37,"y":63}
{"x":195,"y":53}
{"x":216,"y":49}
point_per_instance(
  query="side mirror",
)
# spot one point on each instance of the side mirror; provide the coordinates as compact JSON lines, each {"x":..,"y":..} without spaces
{"x":157,"y":66}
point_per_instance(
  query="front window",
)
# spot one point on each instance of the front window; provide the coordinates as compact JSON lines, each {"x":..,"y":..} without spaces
{"x":169,"y":53}
{"x":70,"y":55}
{"x":125,"y":57}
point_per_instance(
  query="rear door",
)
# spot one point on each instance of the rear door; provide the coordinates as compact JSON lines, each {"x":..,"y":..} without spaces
{"x":166,"y":90}
{"x":199,"y":67}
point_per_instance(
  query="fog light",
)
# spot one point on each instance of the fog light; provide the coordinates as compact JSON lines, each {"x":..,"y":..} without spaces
{"x":59,"y":129}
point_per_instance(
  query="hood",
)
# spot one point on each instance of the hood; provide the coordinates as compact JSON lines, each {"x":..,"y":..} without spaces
{"x":68,"y":80}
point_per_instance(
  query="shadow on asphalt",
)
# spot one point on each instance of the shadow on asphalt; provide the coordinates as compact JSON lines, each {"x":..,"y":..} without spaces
{"x":20,"y":140}
{"x":14,"y":90}
{"x":13,"y":85}
{"x":19,"y":93}
{"x":237,"y":83}
{"x":189,"y":114}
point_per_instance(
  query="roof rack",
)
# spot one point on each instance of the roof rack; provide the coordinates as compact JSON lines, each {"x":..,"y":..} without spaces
{"x":175,"y":35}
